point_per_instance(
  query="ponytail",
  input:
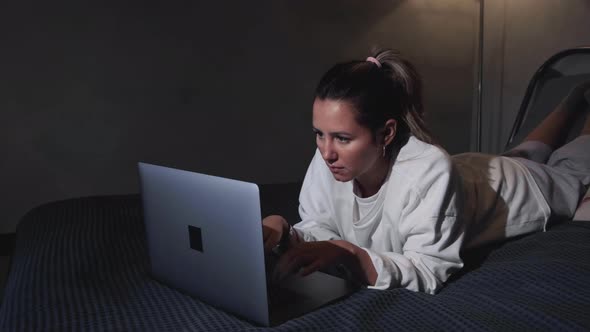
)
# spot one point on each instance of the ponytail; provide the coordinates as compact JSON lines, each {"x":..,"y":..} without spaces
{"x":406,"y":77}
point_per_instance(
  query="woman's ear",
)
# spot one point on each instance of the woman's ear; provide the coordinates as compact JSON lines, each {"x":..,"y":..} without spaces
{"x":389,"y":131}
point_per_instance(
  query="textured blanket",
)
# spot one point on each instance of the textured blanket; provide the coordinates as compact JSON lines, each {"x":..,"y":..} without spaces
{"x":81,"y":264}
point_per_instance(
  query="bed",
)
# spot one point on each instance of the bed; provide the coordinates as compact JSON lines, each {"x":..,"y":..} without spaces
{"x":81,"y":264}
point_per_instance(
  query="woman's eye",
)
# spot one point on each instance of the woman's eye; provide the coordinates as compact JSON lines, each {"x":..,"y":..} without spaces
{"x":343,"y":139}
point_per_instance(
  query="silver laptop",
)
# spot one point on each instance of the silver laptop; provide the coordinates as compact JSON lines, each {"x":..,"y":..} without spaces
{"x":204,"y":236}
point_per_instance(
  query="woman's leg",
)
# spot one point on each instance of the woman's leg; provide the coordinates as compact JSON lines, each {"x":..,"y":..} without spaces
{"x":562,"y":173}
{"x":551,"y":133}
{"x":569,"y":162}
{"x":586,"y":129}
{"x":553,"y":130}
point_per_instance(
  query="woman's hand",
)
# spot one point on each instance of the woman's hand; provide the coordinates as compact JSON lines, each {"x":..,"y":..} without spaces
{"x":272,"y":229}
{"x":307,"y":257}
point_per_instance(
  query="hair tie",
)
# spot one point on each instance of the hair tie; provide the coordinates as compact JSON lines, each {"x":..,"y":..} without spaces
{"x":375,"y":61}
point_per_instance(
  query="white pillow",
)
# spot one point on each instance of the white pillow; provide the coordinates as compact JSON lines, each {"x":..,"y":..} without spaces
{"x":583,"y":211}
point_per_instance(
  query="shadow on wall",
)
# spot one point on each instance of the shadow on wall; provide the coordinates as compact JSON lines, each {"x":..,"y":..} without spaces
{"x":90,"y":90}
{"x":318,"y":22}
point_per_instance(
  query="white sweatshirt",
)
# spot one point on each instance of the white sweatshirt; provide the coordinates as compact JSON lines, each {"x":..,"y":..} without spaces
{"x":414,"y":228}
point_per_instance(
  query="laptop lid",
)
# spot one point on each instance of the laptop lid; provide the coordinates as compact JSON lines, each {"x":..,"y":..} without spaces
{"x":204,"y":237}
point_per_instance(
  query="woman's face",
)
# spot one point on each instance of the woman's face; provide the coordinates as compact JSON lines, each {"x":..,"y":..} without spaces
{"x":348,"y":148}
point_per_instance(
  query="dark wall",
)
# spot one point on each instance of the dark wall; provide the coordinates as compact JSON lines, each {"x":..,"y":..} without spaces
{"x":519,"y":37}
{"x":222,"y":87}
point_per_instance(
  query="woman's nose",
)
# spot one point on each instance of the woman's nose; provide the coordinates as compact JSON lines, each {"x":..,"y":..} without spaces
{"x":329,"y":154}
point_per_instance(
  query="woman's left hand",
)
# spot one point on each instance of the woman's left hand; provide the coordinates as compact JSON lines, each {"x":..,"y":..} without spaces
{"x":308,"y":257}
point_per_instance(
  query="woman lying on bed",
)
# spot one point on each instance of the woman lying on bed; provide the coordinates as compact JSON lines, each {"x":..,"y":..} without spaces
{"x":381,"y":199}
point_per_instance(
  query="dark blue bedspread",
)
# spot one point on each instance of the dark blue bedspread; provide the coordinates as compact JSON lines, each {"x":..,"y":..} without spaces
{"x":82,"y":265}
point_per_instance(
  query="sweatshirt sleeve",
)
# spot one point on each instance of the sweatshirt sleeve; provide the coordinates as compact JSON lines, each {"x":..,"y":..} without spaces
{"x":317,"y":222}
{"x":431,"y":233}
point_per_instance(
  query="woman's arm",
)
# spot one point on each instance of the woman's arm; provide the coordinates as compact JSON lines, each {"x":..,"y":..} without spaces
{"x":316,"y":223}
{"x":275,"y":229}
{"x":432,"y":238}
{"x":315,"y":204}
{"x":430,"y":231}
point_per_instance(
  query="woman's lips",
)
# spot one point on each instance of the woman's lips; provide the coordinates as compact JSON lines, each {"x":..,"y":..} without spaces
{"x":335,"y":169}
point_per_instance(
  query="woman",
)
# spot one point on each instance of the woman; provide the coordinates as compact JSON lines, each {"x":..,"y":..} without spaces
{"x":383,"y":201}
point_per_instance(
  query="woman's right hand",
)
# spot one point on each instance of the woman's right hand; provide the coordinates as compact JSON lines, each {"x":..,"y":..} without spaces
{"x":272,"y":230}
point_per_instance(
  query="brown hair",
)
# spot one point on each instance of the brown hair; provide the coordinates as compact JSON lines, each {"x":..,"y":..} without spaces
{"x":391,"y":89}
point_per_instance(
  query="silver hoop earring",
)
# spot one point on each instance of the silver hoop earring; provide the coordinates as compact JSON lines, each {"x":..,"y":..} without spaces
{"x":384,"y":151}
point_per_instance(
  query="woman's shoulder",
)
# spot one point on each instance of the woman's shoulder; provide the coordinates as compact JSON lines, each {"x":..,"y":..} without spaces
{"x":420,"y":165}
{"x":418,"y":154}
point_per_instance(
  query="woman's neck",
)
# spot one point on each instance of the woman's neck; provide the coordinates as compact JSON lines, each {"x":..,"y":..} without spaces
{"x":369,"y":183}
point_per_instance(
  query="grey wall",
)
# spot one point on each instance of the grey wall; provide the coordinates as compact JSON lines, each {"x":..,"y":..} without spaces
{"x":519,"y":37}
{"x":222,"y":87}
